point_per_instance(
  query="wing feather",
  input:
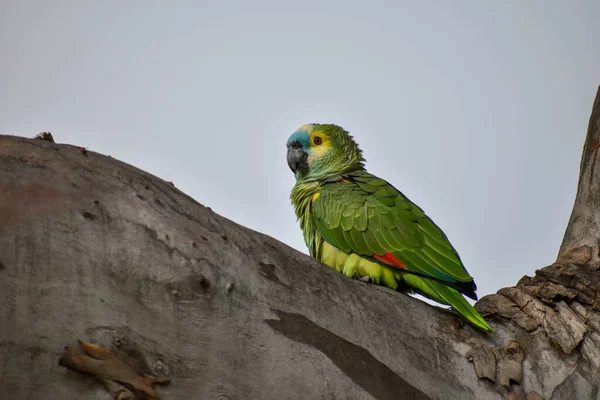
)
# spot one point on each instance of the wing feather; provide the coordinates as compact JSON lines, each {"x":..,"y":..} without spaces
{"x":366,"y":215}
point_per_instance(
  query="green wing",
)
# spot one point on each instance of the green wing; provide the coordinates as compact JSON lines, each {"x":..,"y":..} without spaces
{"x":366,"y":215}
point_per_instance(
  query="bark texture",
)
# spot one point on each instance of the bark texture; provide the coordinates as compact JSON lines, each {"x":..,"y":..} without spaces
{"x":94,"y":249}
{"x":580,"y":244}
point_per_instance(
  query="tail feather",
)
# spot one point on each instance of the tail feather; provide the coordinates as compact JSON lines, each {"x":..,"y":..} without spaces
{"x":443,"y":294}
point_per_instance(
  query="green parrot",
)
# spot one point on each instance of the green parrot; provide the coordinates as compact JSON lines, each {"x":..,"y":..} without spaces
{"x":364,"y":227}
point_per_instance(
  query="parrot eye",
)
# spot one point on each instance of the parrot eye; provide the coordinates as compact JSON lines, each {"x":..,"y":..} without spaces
{"x":317,"y":140}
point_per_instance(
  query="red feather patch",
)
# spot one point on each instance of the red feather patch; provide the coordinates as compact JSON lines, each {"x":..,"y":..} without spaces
{"x":390,"y":259}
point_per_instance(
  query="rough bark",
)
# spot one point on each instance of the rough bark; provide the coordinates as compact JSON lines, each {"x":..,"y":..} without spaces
{"x":94,"y":249}
{"x":580,"y":243}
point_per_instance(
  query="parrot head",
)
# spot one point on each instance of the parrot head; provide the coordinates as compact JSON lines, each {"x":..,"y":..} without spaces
{"x":316,"y":151}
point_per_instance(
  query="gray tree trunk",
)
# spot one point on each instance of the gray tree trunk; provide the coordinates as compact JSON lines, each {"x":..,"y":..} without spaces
{"x":92,"y":248}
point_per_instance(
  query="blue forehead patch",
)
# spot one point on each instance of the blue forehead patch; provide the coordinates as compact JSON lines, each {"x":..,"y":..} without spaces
{"x":301,"y":136}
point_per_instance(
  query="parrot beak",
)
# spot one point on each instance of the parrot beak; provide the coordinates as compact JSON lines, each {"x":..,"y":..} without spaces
{"x":297,"y":158}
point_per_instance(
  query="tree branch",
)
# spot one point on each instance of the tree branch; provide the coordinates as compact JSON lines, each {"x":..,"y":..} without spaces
{"x":582,"y":236}
{"x":93,"y":248}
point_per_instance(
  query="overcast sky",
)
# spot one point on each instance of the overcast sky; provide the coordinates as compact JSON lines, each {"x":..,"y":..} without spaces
{"x":476,"y":110}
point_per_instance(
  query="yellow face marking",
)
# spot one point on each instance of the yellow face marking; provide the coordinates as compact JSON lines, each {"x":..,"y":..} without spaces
{"x":315,"y":196}
{"x":309,"y":128}
{"x":318,"y":150}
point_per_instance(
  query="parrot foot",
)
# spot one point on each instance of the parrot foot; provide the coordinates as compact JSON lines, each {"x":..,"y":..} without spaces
{"x":119,"y":378}
{"x":366,"y":279}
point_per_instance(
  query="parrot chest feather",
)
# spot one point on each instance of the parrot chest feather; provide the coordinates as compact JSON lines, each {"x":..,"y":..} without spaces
{"x":303,"y":195}
{"x":350,"y":264}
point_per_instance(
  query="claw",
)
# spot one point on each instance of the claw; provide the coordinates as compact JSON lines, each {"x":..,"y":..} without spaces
{"x":366,"y":279}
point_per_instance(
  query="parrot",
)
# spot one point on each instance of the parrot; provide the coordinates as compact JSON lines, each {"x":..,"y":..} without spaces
{"x":362,"y":226}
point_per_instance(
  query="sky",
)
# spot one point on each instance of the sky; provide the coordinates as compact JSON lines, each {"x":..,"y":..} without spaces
{"x":477,"y":111}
